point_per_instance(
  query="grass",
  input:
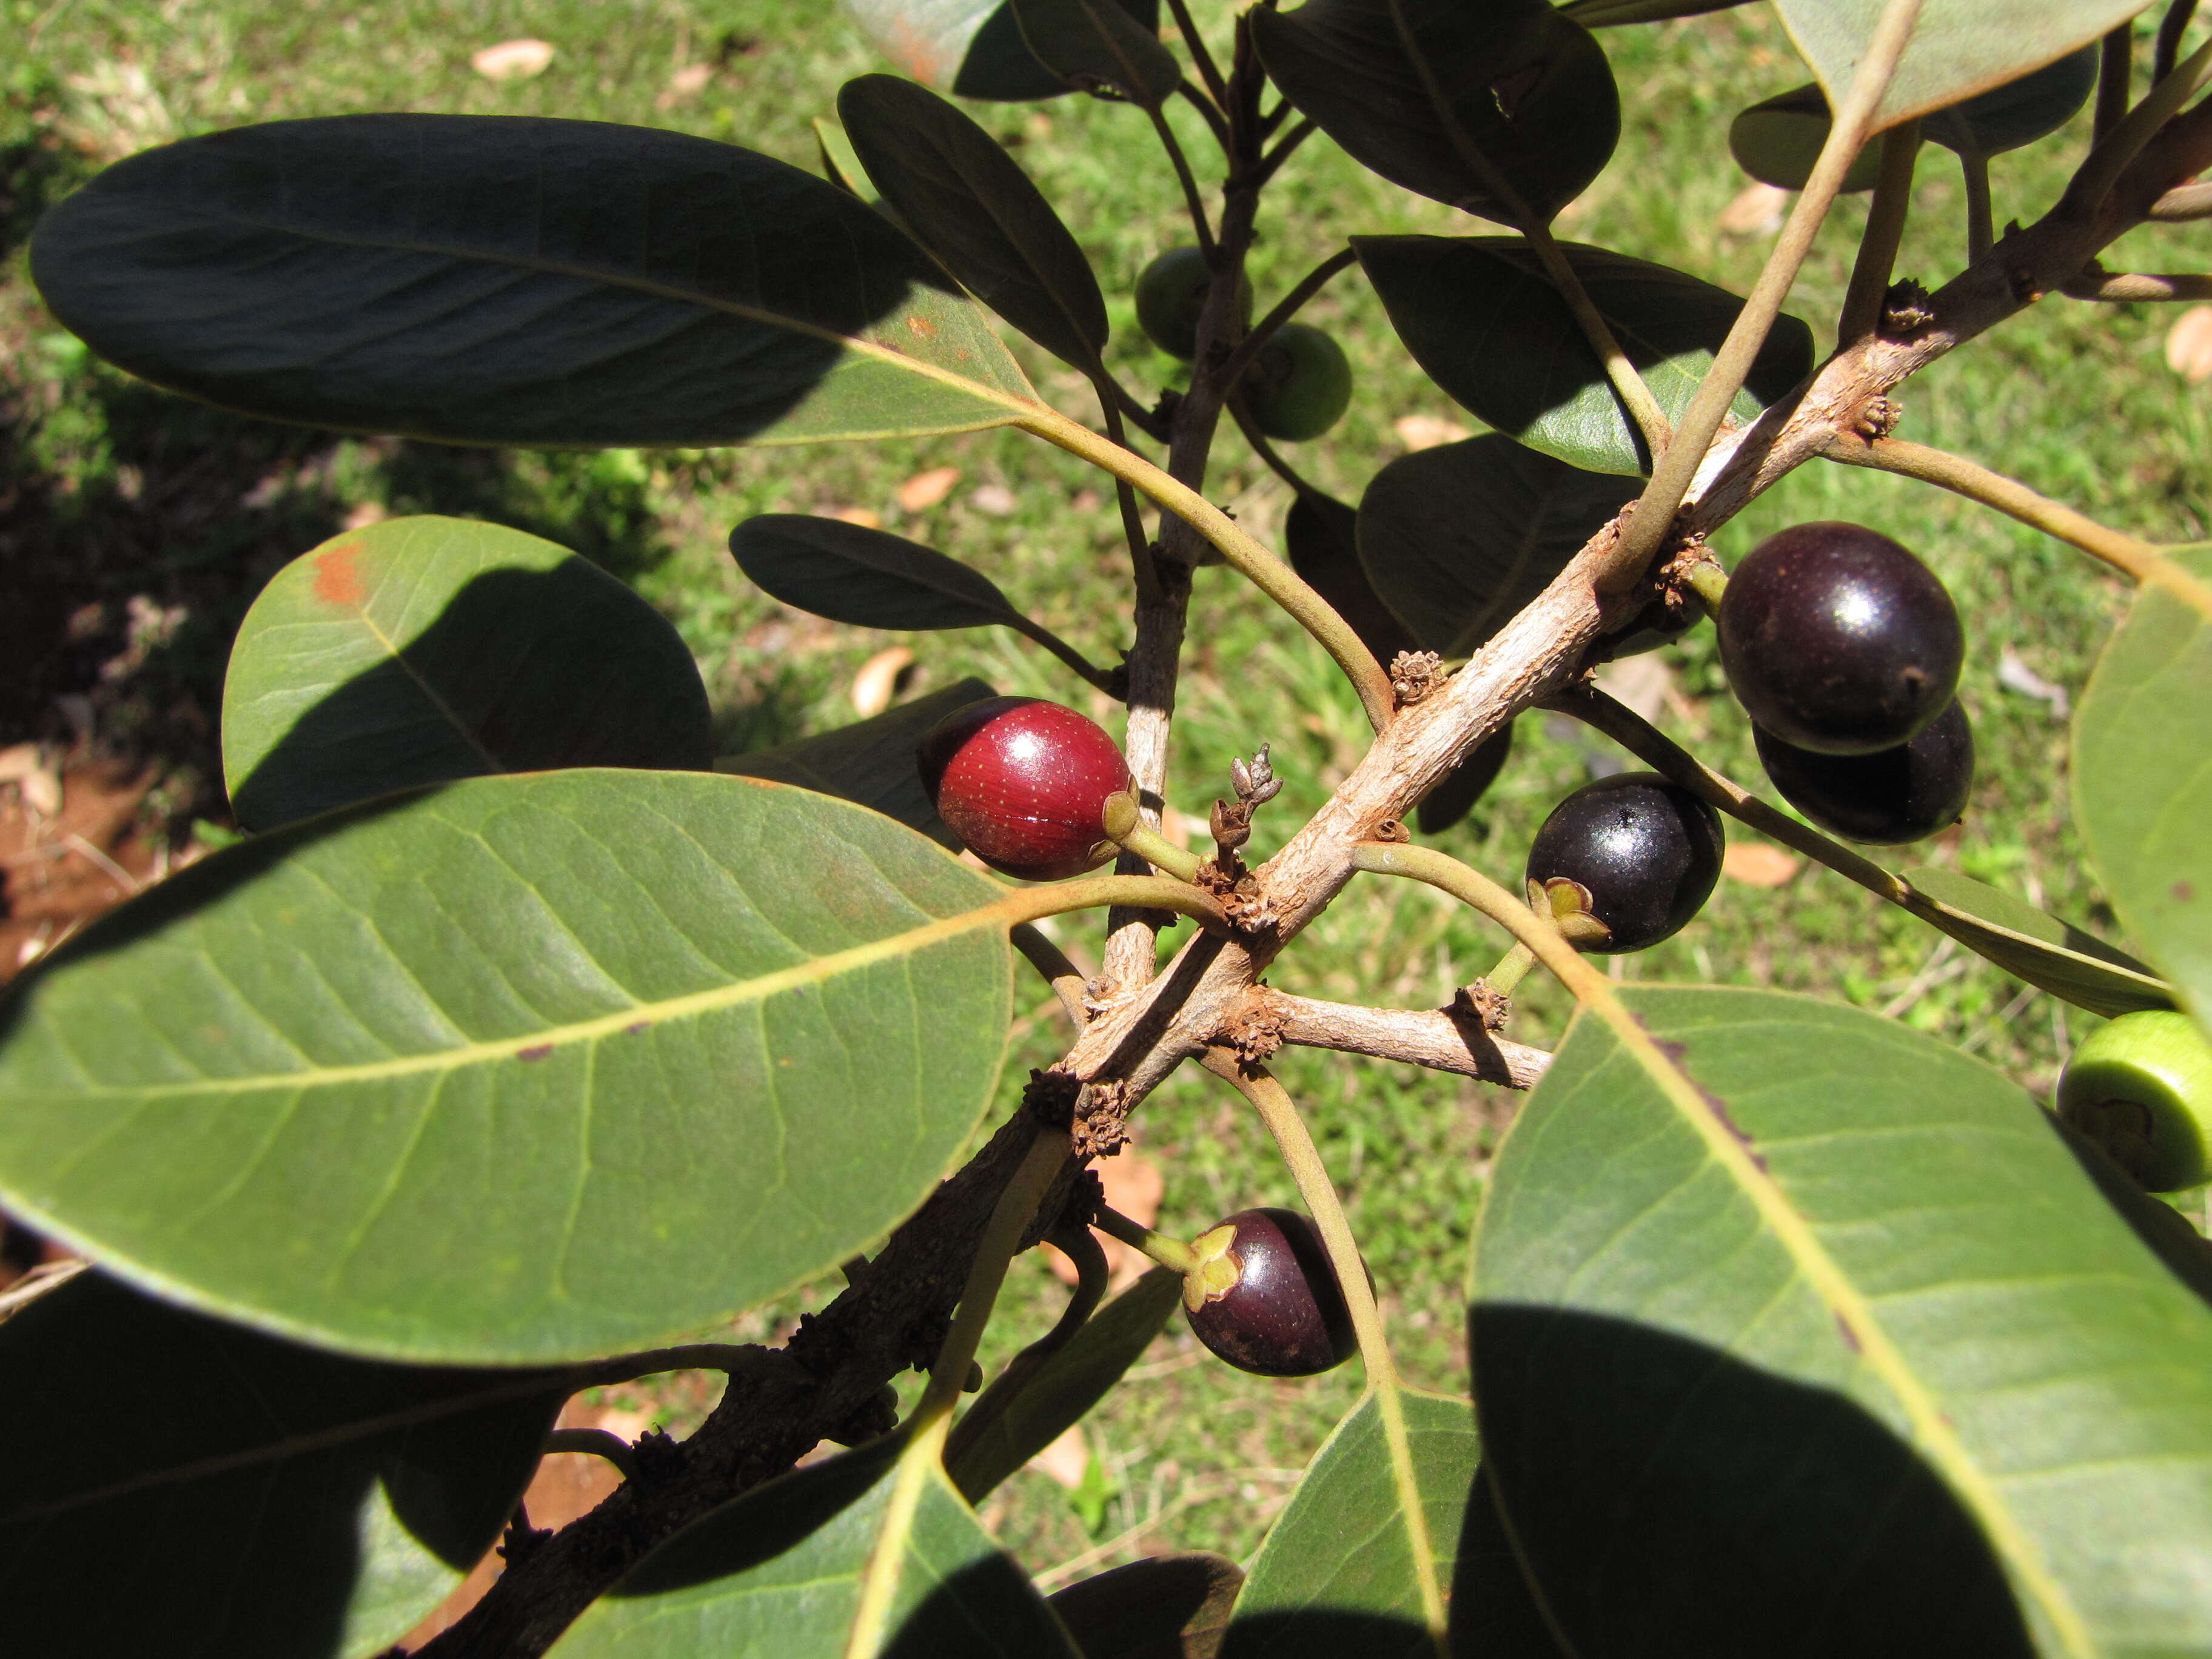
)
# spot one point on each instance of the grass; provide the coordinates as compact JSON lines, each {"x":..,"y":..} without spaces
{"x":111,"y":492}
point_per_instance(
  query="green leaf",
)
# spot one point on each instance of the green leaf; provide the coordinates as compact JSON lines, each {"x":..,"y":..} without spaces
{"x":868,"y":578}
{"x":1612,"y":14}
{"x":425,"y":649}
{"x":1320,"y":533}
{"x":516,"y":1069}
{"x":1776,"y":141}
{"x":2020,"y":111}
{"x":2142,"y":772}
{"x":841,"y":162}
{"x":779,"y":1572}
{"x":1458,"y":538}
{"x":1018,"y":1416}
{"x":258,"y":1497}
{"x":968,"y":202}
{"x":1165,"y":1606}
{"x":970,"y":48}
{"x":1958,"y":48}
{"x":1336,"y":1575}
{"x":870,"y":761}
{"x":2073,"y":966}
{"x":511,"y":280}
{"x":1888,"y":1375}
{"x":1455,"y":797}
{"x":1529,"y":93}
{"x":1478,"y":313}
{"x":1098,"y":43}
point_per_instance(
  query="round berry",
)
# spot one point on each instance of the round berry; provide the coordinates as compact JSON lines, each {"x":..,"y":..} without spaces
{"x":1838,"y":640}
{"x":1171,"y":294}
{"x":1645,"y":853}
{"x":2141,"y":1087}
{"x":1264,"y":1298}
{"x":1885,"y":798}
{"x":1023,"y":783}
{"x":1298,"y":385}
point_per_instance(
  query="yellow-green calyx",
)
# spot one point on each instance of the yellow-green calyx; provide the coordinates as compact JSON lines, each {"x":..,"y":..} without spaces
{"x":1214,"y":1272}
{"x":1568,"y":903}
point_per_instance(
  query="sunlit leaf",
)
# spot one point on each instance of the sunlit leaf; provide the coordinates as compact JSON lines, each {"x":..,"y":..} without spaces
{"x":2072,"y":965}
{"x":257,"y":1496}
{"x":519,"y":1068}
{"x":970,"y":48}
{"x":514,"y":280}
{"x":425,"y":649}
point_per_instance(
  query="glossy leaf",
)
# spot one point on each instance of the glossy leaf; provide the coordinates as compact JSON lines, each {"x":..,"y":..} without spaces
{"x":1529,"y":93}
{"x":1165,"y":1606}
{"x":970,"y":48}
{"x":968,"y":202}
{"x":1612,"y":14}
{"x":512,"y":280}
{"x":254,"y":1496}
{"x":1478,"y":313}
{"x":2019,"y":113}
{"x":778,"y":1572}
{"x":1890,"y":1374}
{"x":2143,"y":772}
{"x":524,"y":1068}
{"x":1458,"y":538}
{"x":421,"y":650}
{"x":1778,"y":140}
{"x":870,"y":761}
{"x":2073,"y":966}
{"x":1018,"y":1416}
{"x":1093,"y":43}
{"x":1959,"y":47}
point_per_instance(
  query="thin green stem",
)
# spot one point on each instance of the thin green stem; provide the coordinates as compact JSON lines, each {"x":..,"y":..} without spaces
{"x":1051,"y":962}
{"x":1192,"y":199}
{"x":1054,"y":898}
{"x":1083,"y":668}
{"x":2116,"y":63}
{"x":1218,"y":122}
{"x":1709,"y":582}
{"x":2136,"y":287}
{"x":2171,"y":28}
{"x":1172,"y":1253}
{"x":1081,"y":1246}
{"x":1126,"y":827}
{"x":1285,"y":147}
{"x":1512,"y":968}
{"x":594,"y":1443}
{"x":1981,"y":218}
{"x":1649,"y":526}
{"x":1266,"y":451}
{"x":1142,"y":566}
{"x":2105,"y":163}
{"x":1201,"y":59}
{"x":1627,"y":384}
{"x":1289,"y":306}
{"x":1470,"y":886}
{"x":1885,"y":229}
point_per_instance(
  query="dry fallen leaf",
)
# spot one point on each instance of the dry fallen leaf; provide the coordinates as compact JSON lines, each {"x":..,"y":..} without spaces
{"x":687,"y":82}
{"x":1427,"y":431}
{"x":996,"y":499}
{"x":1758,"y":863}
{"x":367,"y":514}
{"x":858,"y":516}
{"x":41,"y":788}
{"x":2014,"y":675}
{"x":1640,"y":681}
{"x":928,"y":488}
{"x":1756,"y":211}
{"x":2189,"y":344}
{"x":877,"y":680}
{"x":513,"y":60}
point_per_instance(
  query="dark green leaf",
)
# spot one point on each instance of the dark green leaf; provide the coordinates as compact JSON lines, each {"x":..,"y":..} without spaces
{"x":425,"y":649}
{"x":1532,"y":114}
{"x":778,"y":1572}
{"x":2019,"y":113}
{"x":180,"y":1485}
{"x":965,"y":200}
{"x":870,"y":761}
{"x":1166,"y":1606}
{"x":2143,"y":772}
{"x":1478,"y":313}
{"x":1320,"y":534}
{"x":1493,"y":1614}
{"x":1018,"y":1416}
{"x":522,"y":1068}
{"x":1458,"y":538}
{"x":1452,"y":799}
{"x":1777,"y":141}
{"x":512,"y":280}
{"x":1959,"y":47}
{"x":868,"y":578}
{"x":2164,"y":1229}
{"x":1611,"y":14}
{"x":2072,"y":965}
{"x":1093,"y":43}
{"x":971,"y":48}
{"x":1890,"y":1376}
{"x":1336,"y":1575}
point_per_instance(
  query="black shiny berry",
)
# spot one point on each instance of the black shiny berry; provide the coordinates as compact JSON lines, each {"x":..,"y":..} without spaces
{"x":1885,"y":798}
{"x":1838,"y":640}
{"x":1264,"y":1298}
{"x":1645,"y":851}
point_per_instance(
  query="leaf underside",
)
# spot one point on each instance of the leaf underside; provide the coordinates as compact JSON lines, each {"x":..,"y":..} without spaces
{"x":970,"y":48}
{"x":2072,"y":965}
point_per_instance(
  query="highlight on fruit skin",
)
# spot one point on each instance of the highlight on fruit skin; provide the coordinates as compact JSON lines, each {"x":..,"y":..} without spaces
{"x":1023,"y":783}
{"x":1171,"y":294}
{"x":2141,"y":1087}
{"x":1645,"y":853}
{"x":1838,"y":640}
{"x":1264,"y":1297}
{"x":1892,"y":796}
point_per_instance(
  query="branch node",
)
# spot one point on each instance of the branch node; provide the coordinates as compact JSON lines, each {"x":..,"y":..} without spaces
{"x":1252,"y":1030}
{"x":1392,"y":830}
{"x":1904,"y":311}
{"x":1095,"y":1129}
{"x":1051,"y":1097}
{"x":1481,"y":1003}
{"x":1877,"y":417}
{"x":1415,"y":675}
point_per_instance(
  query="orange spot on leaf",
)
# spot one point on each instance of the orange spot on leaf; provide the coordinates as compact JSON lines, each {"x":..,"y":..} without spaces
{"x":919,"y":326}
{"x":338,"y":577}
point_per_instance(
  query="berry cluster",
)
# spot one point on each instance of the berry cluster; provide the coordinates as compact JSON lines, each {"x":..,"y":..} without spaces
{"x":1299,"y":382}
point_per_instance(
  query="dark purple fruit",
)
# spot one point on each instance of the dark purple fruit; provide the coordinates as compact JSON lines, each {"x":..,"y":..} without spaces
{"x":1645,"y":851}
{"x":1885,"y":798}
{"x":1023,"y":783}
{"x":1264,"y":1298}
{"x":1838,"y":640}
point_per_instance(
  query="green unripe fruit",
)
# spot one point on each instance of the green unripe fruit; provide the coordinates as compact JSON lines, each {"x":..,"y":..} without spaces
{"x":1299,"y":384}
{"x":1170,"y":293}
{"x":2141,"y":1087}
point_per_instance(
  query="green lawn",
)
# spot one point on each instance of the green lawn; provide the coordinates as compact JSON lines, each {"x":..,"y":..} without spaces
{"x":111,"y":491}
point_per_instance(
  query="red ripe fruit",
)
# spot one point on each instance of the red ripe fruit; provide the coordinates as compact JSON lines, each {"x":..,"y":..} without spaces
{"x":1023,"y":782}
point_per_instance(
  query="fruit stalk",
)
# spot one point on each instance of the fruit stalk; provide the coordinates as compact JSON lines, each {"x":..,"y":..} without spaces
{"x":1172,"y":1253}
{"x":1126,"y":827}
{"x":1885,"y":229}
